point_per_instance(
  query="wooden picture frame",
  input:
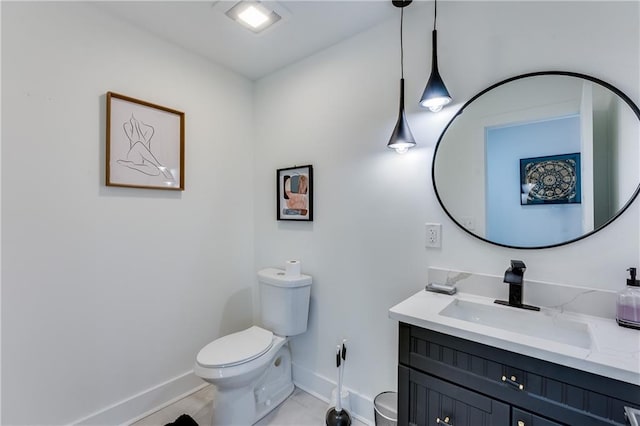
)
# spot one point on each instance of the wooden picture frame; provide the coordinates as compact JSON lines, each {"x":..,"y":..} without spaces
{"x":145,"y":144}
{"x":295,"y":193}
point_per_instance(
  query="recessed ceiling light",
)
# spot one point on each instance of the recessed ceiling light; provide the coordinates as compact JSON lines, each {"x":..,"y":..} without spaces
{"x":253,"y":15}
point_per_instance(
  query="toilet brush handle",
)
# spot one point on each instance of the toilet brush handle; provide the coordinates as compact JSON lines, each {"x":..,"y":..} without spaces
{"x":339,"y":388}
{"x":344,"y":359}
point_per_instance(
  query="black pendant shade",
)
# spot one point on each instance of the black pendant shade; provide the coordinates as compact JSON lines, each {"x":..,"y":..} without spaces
{"x":401,"y":139}
{"x":435,"y":95}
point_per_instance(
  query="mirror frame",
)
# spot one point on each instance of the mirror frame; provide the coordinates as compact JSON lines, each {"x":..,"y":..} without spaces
{"x":612,"y":88}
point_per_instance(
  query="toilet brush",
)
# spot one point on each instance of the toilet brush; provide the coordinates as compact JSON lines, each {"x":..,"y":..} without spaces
{"x":336,"y":416}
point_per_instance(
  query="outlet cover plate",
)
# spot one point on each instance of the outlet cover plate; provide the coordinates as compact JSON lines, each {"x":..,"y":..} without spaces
{"x":433,"y":235}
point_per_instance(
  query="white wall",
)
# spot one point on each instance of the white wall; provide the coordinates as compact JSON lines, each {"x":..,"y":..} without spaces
{"x":365,"y":248}
{"x":623,"y":132}
{"x":108,"y":292}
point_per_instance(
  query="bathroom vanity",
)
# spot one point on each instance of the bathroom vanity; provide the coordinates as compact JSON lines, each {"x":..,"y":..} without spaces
{"x":464,"y":360}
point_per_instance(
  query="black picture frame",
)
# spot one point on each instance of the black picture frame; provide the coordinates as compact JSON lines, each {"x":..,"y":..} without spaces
{"x":553,"y":179}
{"x":295,"y":193}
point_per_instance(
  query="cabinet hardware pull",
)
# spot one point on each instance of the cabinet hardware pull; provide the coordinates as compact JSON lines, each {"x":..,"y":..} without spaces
{"x":520,"y":423}
{"x":513,"y":382}
{"x":445,"y":422}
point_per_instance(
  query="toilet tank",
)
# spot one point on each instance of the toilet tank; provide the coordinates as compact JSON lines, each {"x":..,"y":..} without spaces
{"x":284,"y":301}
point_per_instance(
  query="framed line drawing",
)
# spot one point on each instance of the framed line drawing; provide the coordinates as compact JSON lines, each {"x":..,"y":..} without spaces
{"x":295,"y":193}
{"x":145,"y":144}
{"x":553,"y":179}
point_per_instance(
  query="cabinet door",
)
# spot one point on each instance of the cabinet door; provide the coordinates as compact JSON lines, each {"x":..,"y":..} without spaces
{"x":523,"y":418}
{"x":435,"y":402}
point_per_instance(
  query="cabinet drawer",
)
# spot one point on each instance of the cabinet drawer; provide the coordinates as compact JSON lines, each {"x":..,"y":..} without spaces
{"x":523,"y":418}
{"x":560,"y":392}
{"x":439,"y":403}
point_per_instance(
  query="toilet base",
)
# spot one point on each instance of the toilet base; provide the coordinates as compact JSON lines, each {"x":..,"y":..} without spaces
{"x":247,"y":405}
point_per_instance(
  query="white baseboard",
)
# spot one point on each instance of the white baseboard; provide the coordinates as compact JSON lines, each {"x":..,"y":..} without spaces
{"x":321,"y":387}
{"x":147,"y":402}
{"x":153,"y":399}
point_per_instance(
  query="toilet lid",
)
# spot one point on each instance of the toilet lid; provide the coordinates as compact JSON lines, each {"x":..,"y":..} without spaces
{"x":236,"y":348}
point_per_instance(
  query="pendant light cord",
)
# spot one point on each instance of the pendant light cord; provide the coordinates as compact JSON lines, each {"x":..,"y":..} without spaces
{"x":401,"y":45}
{"x":435,"y":13}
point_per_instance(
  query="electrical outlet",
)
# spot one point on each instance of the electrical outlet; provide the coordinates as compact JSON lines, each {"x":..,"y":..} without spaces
{"x":433,"y":235}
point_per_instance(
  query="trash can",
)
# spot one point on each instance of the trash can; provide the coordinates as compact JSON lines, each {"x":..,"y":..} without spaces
{"x":385,"y":405}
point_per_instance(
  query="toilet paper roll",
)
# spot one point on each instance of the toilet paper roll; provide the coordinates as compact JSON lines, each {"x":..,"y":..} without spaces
{"x":292,"y":268}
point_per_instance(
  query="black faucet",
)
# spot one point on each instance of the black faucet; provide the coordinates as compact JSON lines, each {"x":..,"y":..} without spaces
{"x":514,"y":277}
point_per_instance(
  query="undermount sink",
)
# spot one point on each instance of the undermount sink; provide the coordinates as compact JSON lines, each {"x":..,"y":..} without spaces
{"x":530,"y":323}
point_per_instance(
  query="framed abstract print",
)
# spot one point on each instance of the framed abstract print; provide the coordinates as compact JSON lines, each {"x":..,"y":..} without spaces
{"x":295,"y":193}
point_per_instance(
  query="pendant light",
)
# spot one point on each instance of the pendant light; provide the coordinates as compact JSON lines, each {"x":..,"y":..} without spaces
{"x":435,"y":95}
{"x":401,"y":138}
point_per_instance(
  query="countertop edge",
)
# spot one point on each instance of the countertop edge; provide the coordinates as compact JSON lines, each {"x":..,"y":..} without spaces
{"x":577,"y":362}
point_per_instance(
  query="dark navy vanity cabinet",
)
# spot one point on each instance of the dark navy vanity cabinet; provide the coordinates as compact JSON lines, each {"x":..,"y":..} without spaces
{"x":445,"y":380}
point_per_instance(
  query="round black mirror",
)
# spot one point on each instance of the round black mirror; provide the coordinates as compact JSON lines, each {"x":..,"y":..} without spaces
{"x":539,"y":160}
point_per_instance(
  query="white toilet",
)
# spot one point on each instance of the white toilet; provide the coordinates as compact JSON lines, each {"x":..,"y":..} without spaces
{"x":251,"y":369}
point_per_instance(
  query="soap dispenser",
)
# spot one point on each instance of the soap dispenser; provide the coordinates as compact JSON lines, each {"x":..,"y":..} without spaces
{"x":628,"y":306}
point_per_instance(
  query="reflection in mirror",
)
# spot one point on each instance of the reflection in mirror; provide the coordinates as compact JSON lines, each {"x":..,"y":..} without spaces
{"x":539,"y":160}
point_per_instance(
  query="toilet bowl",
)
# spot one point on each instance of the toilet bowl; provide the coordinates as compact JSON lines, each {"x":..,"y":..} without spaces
{"x":251,"y":369}
{"x":247,"y":387}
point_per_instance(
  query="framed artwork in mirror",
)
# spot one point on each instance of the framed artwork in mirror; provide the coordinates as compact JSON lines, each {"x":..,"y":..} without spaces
{"x":145,"y":144}
{"x":295,"y":193}
{"x":553,"y":179}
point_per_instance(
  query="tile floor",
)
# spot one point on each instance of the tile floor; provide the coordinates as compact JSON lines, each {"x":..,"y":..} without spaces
{"x":300,"y":409}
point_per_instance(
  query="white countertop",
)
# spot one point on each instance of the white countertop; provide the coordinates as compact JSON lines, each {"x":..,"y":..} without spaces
{"x":614,"y":351}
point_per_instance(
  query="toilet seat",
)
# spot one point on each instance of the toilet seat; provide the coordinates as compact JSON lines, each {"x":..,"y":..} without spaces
{"x":236,"y":348}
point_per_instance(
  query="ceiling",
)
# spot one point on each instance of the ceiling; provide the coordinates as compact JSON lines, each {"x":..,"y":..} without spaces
{"x":308,"y":26}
